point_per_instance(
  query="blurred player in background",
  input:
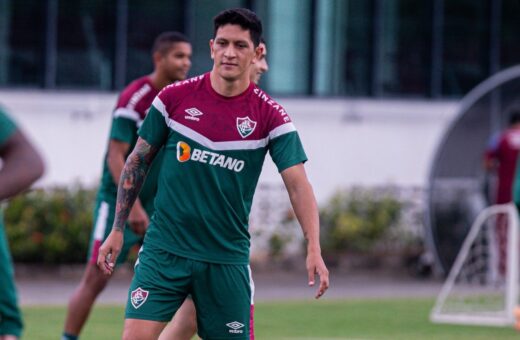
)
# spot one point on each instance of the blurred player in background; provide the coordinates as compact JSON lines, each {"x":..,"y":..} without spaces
{"x":217,"y":129}
{"x":500,"y":160}
{"x":171,"y":55}
{"x":20,"y":166}
{"x":184,"y":323}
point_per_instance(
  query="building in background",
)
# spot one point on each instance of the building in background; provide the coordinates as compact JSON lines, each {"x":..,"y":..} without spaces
{"x":354,"y":48}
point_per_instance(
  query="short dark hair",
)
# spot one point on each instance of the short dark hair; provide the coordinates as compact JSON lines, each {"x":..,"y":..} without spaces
{"x":514,"y":116}
{"x":165,"y":41}
{"x":243,"y":17}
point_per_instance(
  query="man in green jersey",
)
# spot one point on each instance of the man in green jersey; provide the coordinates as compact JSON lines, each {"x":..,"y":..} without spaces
{"x":171,"y":55}
{"x":184,"y":324}
{"x":20,"y":166}
{"x":215,"y":129}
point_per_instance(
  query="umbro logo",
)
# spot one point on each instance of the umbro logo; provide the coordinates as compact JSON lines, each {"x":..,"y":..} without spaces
{"x":193,"y":113}
{"x":235,"y":327}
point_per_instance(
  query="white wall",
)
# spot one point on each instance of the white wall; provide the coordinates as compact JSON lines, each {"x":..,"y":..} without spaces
{"x":348,"y":142}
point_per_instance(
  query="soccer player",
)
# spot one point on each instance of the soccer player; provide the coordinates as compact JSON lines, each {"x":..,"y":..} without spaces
{"x":216,"y":129}
{"x":171,"y":55}
{"x":184,"y":323}
{"x":501,"y":158}
{"x":21,"y":165}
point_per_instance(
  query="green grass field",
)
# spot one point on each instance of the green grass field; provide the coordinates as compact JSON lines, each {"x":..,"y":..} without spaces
{"x":316,"y":320}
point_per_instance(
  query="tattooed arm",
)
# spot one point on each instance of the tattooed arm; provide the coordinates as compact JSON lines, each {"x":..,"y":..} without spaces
{"x":130,"y":183}
{"x":117,"y":150}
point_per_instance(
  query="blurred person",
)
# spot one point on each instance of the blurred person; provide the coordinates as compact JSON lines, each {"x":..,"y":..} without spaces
{"x":20,"y":166}
{"x":216,"y":129}
{"x":501,"y":158}
{"x":184,"y":323}
{"x":171,"y":55}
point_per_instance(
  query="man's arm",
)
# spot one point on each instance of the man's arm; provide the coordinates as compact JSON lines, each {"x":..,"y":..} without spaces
{"x":117,"y":150}
{"x":130,"y":183}
{"x":306,"y":210}
{"x":21,"y":165}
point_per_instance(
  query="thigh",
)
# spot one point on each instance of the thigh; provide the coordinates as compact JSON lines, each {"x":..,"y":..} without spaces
{"x":103,"y":221}
{"x":142,"y":329}
{"x":223,"y":298}
{"x":160,"y":284}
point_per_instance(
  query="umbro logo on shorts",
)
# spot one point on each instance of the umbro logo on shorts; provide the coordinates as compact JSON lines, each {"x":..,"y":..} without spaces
{"x":235,"y":327}
{"x":138,"y":297}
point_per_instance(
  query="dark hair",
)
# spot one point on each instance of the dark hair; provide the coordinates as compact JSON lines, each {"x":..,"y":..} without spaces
{"x":166,"y":40}
{"x":514,"y":116}
{"x":243,"y":17}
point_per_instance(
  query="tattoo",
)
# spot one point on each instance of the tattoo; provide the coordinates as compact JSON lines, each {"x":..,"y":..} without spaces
{"x":132,"y":179}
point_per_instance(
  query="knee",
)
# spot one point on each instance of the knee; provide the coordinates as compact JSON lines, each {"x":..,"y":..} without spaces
{"x":95,"y":281}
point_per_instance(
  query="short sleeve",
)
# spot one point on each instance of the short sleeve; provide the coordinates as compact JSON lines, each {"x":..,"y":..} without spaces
{"x":7,"y":127}
{"x":287,"y":150}
{"x":155,"y":127}
{"x":124,"y":130}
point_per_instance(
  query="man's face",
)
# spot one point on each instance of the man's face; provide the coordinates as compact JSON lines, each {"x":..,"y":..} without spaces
{"x":176,"y":62}
{"x":260,"y":67}
{"x":233,"y":52}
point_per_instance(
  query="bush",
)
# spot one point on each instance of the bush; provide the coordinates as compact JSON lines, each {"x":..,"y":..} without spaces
{"x":357,"y":219}
{"x":50,"y":226}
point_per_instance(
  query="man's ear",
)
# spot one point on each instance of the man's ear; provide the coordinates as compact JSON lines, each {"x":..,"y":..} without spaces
{"x":157,"y":57}
{"x":212,"y":54}
{"x":258,"y":53}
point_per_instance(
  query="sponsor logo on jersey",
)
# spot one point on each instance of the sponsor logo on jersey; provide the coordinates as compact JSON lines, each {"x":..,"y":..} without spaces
{"x":245,"y":126}
{"x":138,"y":297}
{"x":193,"y":112}
{"x":235,"y":327}
{"x":263,"y":96}
{"x":138,"y":95}
{"x":186,"y":153}
{"x":183,"y":152}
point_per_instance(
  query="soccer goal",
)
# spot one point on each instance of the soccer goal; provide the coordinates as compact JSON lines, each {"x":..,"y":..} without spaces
{"x":482,"y":286}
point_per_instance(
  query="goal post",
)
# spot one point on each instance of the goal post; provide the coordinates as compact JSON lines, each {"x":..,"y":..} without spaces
{"x":482,"y":285}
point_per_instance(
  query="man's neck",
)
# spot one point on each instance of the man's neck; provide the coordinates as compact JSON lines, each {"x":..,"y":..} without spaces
{"x":159,"y":81}
{"x":228,"y":88}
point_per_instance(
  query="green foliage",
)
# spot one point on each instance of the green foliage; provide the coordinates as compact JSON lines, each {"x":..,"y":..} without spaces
{"x":50,"y":226}
{"x":355,"y":220}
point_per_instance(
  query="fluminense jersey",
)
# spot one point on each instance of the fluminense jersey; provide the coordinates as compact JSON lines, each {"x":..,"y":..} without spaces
{"x":214,"y":151}
{"x":131,"y":109}
{"x":7,"y":127}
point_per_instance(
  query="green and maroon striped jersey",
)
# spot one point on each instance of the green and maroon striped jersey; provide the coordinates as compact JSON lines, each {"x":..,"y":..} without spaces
{"x":7,"y":127}
{"x":131,"y":109}
{"x":214,"y":151}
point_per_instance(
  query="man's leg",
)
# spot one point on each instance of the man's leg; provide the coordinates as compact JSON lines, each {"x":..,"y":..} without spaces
{"x":80,"y":304}
{"x":136,"y":329}
{"x":223,"y":295}
{"x":183,"y":325}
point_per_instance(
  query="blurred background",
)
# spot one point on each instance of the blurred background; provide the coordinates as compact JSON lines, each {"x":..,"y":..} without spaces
{"x":378,"y":90}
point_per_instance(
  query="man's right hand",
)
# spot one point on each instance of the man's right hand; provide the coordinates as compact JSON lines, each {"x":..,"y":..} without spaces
{"x":109,"y":251}
{"x":138,"y":219}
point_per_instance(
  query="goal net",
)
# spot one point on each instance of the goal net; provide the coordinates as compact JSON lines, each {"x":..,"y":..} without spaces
{"x":482,"y":286}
